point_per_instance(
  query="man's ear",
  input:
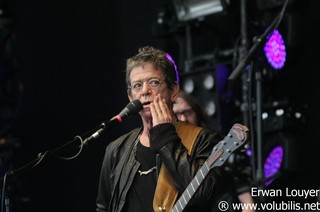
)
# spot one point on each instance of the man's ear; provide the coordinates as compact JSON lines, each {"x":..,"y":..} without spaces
{"x":175,"y":92}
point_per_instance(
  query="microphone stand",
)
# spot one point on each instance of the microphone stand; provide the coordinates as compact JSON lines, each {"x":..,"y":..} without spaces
{"x":258,"y":176}
{"x":9,"y":175}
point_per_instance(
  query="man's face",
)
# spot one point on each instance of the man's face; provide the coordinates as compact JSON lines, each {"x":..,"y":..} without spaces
{"x":150,"y":82}
{"x":184,"y":112}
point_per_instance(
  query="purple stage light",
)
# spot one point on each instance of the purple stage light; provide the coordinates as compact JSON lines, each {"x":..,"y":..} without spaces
{"x":275,"y":50}
{"x":273,"y":163}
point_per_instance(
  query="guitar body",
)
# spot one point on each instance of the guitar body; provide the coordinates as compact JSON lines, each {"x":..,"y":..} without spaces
{"x":236,"y":138}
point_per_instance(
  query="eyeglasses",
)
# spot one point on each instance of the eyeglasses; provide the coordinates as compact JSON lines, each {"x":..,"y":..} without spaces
{"x":186,"y":112}
{"x":151,"y":83}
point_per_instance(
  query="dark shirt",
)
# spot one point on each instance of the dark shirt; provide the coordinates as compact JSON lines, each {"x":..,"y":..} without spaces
{"x":141,"y":193}
{"x":120,"y":166}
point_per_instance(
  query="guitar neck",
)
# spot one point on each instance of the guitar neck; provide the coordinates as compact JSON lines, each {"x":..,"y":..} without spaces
{"x":235,"y":139}
{"x":191,"y":189}
{"x":195,"y":183}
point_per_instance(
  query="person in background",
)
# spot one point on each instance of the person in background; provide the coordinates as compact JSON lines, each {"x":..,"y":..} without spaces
{"x":148,"y":168}
{"x":188,"y":110}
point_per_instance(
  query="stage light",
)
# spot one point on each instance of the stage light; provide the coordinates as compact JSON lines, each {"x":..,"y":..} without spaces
{"x":279,"y":112}
{"x":203,"y":83}
{"x":188,"y":85}
{"x":208,"y":82}
{"x":298,"y":115}
{"x":191,"y":9}
{"x":281,"y":152}
{"x":273,"y":163}
{"x":275,"y":50}
{"x":265,"y":115}
{"x":210,"y":108}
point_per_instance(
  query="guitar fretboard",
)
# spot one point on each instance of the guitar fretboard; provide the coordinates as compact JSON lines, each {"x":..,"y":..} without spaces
{"x":234,"y":139}
{"x":194,"y":184}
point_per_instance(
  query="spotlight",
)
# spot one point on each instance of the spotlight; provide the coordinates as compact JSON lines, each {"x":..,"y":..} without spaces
{"x":280,"y":153}
{"x":203,"y":84}
{"x":188,"y":85}
{"x":191,"y":9}
{"x":210,"y":108}
{"x":208,"y":82}
{"x":275,"y":50}
{"x":273,"y":163}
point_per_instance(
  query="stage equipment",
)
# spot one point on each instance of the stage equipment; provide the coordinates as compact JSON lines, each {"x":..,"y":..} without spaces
{"x":281,"y":156}
{"x":132,"y":108}
{"x":273,"y":163}
{"x":187,"y":10}
{"x":275,"y":50}
{"x":207,"y":84}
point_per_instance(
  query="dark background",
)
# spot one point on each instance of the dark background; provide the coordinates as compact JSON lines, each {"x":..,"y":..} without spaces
{"x":63,"y":73}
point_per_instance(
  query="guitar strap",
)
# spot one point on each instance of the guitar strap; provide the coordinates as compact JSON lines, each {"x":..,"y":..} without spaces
{"x":166,"y":193}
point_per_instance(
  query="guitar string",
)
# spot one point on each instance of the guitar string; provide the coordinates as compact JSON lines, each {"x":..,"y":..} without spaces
{"x":191,"y":184}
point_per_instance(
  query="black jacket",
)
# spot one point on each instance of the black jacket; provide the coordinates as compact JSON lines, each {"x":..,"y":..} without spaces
{"x":119,"y":166}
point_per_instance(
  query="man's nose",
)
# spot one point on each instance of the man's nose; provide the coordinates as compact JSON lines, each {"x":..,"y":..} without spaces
{"x":145,"y":88}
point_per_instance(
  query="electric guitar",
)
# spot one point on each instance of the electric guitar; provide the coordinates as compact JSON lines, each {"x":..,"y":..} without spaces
{"x":236,"y":138}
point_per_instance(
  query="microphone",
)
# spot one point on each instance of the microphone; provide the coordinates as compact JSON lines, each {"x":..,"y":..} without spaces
{"x":133,"y":107}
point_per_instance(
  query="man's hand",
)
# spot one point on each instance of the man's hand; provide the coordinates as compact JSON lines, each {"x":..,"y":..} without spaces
{"x":160,"y":111}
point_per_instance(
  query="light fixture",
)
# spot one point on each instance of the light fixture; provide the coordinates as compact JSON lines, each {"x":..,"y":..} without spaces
{"x":275,"y":50}
{"x":281,"y":152}
{"x":203,"y":84}
{"x":273,"y":163}
{"x":208,"y":82}
{"x":210,"y":108}
{"x":192,"y":9}
{"x":188,"y":85}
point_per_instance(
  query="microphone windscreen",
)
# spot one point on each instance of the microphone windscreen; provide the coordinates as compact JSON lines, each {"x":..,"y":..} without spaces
{"x":133,"y":107}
